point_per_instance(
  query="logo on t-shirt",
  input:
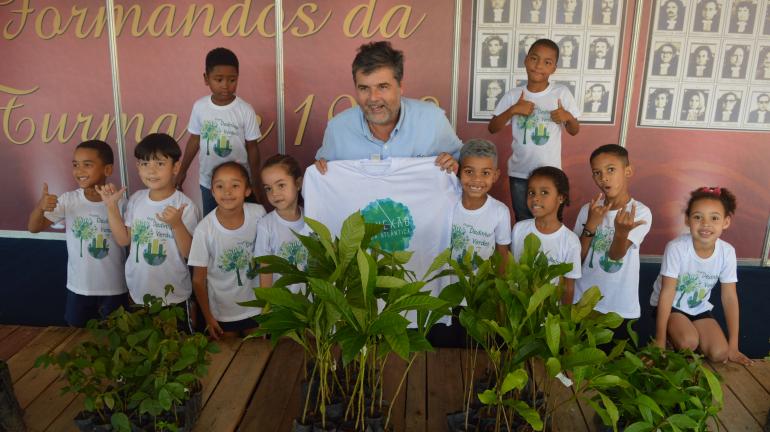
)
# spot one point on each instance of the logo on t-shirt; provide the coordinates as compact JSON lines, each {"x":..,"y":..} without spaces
{"x":155,"y":249}
{"x":601,"y":244}
{"x":294,"y":252}
{"x":84,"y":229}
{"x":465,"y":237}
{"x":236,"y":259}
{"x":397,"y":222}
{"x":535,"y":126}
{"x":218,"y":132}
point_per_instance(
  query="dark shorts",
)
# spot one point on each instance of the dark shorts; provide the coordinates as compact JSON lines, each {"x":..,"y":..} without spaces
{"x":519,"y":199}
{"x":238,"y":326}
{"x":81,"y":308}
{"x":700,"y":316}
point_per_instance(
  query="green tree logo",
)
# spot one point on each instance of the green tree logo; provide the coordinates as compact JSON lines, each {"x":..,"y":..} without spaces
{"x":223,"y":147}
{"x":459,"y":242}
{"x":234,"y":260}
{"x":294,"y":252}
{"x":99,"y":246}
{"x":397,"y":222}
{"x":209,"y":131}
{"x":686,"y":284}
{"x":155,"y":252}
{"x":525,"y":124}
{"x":141,"y":233}
{"x":83,"y":229}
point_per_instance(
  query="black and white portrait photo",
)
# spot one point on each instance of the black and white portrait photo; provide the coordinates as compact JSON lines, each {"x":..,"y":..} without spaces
{"x":671,"y":15}
{"x":728,"y":107}
{"x":600,"y":54}
{"x":497,"y":12}
{"x":735,"y":62}
{"x":525,"y":42}
{"x":694,"y":105}
{"x":569,"y":52}
{"x":707,"y":16}
{"x":494,"y":50}
{"x":491,"y":91}
{"x":595,"y":98}
{"x":665,"y":61}
{"x":760,"y":109}
{"x":659,"y":103}
{"x":605,"y":12}
{"x":766,"y":27}
{"x":533,"y":11}
{"x":700,"y":63}
{"x":569,"y":12}
{"x":742,"y":17}
{"x":763,"y":64}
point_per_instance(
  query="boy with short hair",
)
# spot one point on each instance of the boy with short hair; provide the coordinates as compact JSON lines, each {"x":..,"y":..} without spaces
{"x":226,"y":123}
{"x":539,"y":108}
{"x":95,"y":280}
{"x":158,"y":224}
{"x":611,"y":229}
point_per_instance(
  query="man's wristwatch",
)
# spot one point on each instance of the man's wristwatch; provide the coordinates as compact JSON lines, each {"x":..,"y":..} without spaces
{"x":587,"y":233}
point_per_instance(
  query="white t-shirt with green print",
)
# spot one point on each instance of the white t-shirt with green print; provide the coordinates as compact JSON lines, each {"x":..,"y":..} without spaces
{"x":226,"y":253}
{"x":617,"y":280}
{"x":94,"y":260}
{"x":695,"y":276}
{"x":482,"y":229}
{"x":154,"y":260}
{"x":275,"y":237}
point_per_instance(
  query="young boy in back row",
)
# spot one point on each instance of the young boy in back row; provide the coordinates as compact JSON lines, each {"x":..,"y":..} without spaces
{"x":539,"y":108}
{"x":226,"y":123}
{"x":611,"y":229}
{"x":158,"y":225}
{"x":95,"y":281}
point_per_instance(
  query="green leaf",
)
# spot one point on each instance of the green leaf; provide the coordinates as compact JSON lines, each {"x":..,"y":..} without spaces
{"x":682,"y":421}
{"x":488,"y":397}
{"x":164,"y":398}
{"x":612,"y":410}
{"x":388,"y":323}
{"x":351,"y":236}
{"x":368,"y":270}
{"x":714,"y":386}
{"x":539,"y":296}
{"x":553,"y":366}
{"x":514,"y":380}
{"x":418,"y":302}
{"x":639,"y":426}
{"x":647,"y":401}
{"x":418,"y":342}
{"x":531,"y":248}
{"x":440,"y":261}
{"x":390,"y":282}
{"x":329,"y":293}
{"x":120,"y":423}
{"x":282,"y":296}
{"x":552,"y":333}
{"x":584,"y":357}
{"x":609,"y":381}
{"x":527,"y":412}
{"x":452,"y":294}
{"x":586,"y":304}
{"x":399,"y":343}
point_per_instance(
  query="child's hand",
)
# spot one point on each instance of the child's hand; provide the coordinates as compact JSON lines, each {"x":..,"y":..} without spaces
{"x":596,"y":213}
{"x":48,"y":201}
{"x":560,"y":115}
{"x":738,"y":357}
{"x":172,"y":215}
{"x":624,"y":221}
{"x":523,"y":107}
{"x":215,"y":331}
{"x":110,"y":194}
{"x":321,"y":166}
{"x":447,"y":163}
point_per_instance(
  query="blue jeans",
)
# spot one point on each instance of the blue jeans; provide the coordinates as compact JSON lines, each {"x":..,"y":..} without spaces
{"x":79,"y":309}
{"x":519,"y":199}
{"x":207,"y":200}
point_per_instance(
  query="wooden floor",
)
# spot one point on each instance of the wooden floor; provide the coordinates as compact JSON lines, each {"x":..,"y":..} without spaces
{"x":253,"y":388}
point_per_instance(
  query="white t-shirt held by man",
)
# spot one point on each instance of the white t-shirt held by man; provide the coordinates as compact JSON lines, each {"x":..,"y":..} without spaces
{"x":536,"y":138}
{"x":617,"y":280}
{"x":695,"y":276}
{"x":481,"y":229}
{"x":94,"y":260}
{"x":154,"y":259}
{"x":223,"y":132}
{"x":226,"y":254}
{"x":561,"y":246}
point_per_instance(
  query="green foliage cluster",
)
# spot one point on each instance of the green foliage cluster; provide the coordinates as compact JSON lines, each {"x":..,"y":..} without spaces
{"x":137,"y":364}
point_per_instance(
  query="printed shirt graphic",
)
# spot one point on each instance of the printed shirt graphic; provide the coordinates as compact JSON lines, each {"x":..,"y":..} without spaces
{"x":695,"y":276}
{"x":230,"y":277}
{"x":617,"y":280}
{"x":562,"y":246}
{"x":411,"y":196}
{"x":536,"y":139}
{"x":223,"y":132}
{"x":275,"y":237}
{"x":154,"y":259}
{"x":94,"y":260}
{"x":481,"y":229}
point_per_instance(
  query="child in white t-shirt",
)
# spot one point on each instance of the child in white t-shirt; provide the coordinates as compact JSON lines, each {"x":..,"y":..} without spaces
{"x":692,"y":264}
{"x":226,"y":123}
{"x":282,"y":180}
{"x":547,"y":195}
{"x":158,"y":224}
{"x":479,"y":222}
{"x":221,"y":254}
{"x":611,"y":229}
{"x":96,"y":283}
{"x":536,"y":113}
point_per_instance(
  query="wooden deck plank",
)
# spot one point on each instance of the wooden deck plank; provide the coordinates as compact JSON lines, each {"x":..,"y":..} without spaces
{"x":445,"y":386}
{"x":394,"y":371}
{"x":35,"y":381}
{"x":416,"y":411}
{"x":734,"y":415}
{"x":227,"y":404}
{"x":5,"y":330}
{"x":16,"y":340}
{"x":47,"y":407}
{"x":266,"y":409}
{"x":760,"y":370}
{"x":746,"y":388}
{"x":63,"y":422}
{"x":219,"y":364}
{"x":43,"y":343}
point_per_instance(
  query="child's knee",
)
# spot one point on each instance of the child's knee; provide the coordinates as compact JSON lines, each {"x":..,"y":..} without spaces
{"x":687,"y":342}
{"x":718,"y":354}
